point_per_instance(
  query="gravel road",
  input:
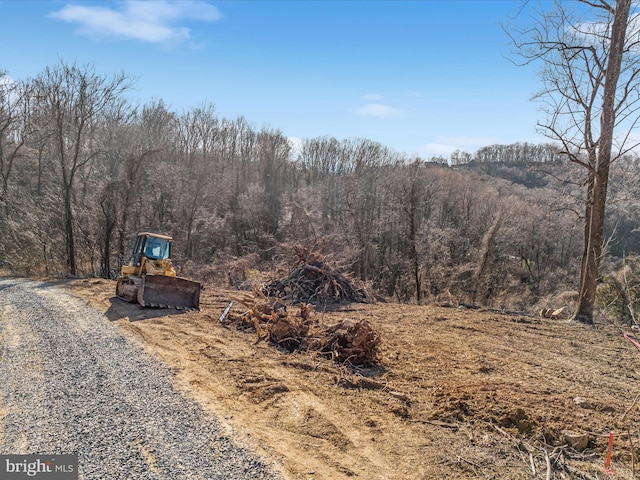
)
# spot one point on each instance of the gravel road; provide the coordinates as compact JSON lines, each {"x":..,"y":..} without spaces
{"x":72,"y":384}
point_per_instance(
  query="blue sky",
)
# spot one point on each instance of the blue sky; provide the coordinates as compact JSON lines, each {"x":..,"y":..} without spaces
{"x":422,"y":77}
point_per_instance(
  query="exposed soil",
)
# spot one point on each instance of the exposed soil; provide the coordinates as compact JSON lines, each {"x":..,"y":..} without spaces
{"x":458,"y":393}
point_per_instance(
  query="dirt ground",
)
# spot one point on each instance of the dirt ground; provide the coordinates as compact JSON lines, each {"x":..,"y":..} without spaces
{"x":458,"y":393}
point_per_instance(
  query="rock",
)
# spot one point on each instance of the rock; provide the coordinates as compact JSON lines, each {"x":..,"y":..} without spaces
{"x":583,"y":403}
{"x":578,"y":441}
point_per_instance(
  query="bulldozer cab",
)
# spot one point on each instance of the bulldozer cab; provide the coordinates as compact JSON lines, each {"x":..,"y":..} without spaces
{"x":152,"y":246}
{"x":156,"y":248}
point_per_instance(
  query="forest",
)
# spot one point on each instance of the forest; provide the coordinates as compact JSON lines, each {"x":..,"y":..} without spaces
{"x":83,"y":169}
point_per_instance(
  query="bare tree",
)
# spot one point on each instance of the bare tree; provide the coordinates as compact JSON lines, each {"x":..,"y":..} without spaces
{"x":591,"y":66}
{"x":274,"y":153}
{"x":413,"y":192}
{"x":74,"y":99}
{"x":202,"y":174}
{"x":13,"y":129}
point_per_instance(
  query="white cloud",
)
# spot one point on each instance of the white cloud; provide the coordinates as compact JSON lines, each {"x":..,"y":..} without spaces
{"x":6,"y":80}
{"x":372,"y":97}
{"x":8,"y":90}
{"x":447,"y":145}
{"x":296,"y":144}
{"x":378,"y":110}
{"x":148,"y":21}
{"x":437,"y":149}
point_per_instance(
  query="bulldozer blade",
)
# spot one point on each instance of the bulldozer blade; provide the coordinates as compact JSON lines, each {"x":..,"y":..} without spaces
{"x":167,"y":292}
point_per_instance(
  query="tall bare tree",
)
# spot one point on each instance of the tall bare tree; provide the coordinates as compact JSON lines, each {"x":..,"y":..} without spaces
{"x":14,"y":129}
{"x":590,"y":53}
{"x":74,"y":99}
{"x":202,"y":175}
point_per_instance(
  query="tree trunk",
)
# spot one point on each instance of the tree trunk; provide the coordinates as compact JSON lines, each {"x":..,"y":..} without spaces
{"x":106,"y":254}
{"x":599,"y":176}
{"x":594,"y":227}
{"x":413,"y":239}
{"x":110,"y":217}
{"x":68,"y":222}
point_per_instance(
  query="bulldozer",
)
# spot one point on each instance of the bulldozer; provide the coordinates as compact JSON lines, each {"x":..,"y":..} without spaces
{"x":150,"y":279}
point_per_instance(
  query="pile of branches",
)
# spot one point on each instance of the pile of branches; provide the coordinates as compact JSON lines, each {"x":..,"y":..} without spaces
{"x":275,"y":321}
{"x":313,"y":281}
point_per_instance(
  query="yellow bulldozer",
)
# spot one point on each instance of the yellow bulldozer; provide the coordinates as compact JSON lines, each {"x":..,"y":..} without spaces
{"x":150,"y":279}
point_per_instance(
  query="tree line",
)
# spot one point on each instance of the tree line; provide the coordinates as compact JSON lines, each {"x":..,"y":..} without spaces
{"x":83,"y":169}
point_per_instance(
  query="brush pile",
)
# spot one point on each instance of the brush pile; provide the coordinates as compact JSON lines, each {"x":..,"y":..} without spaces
{"x":313,"y":281}
{"x":275,"y":321}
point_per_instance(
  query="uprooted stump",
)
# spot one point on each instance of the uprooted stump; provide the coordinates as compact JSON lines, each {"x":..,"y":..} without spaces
{"x":349,"y":342}
{"x":355,"y":343}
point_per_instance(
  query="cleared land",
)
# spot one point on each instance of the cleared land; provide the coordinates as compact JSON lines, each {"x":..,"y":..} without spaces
{"x":458,"y":393}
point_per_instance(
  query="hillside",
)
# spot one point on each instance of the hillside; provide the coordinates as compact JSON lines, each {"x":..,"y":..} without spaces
{"x":528,"y":174}
{"x":490,"y":229}
{"x":458,"y":393}
{"x":560,"y":184}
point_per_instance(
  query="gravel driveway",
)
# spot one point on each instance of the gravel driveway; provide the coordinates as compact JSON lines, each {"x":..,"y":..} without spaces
{"x":72,"y":384}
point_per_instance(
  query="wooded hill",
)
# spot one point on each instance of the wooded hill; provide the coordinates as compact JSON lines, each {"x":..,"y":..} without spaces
{"x":82,"y":170}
